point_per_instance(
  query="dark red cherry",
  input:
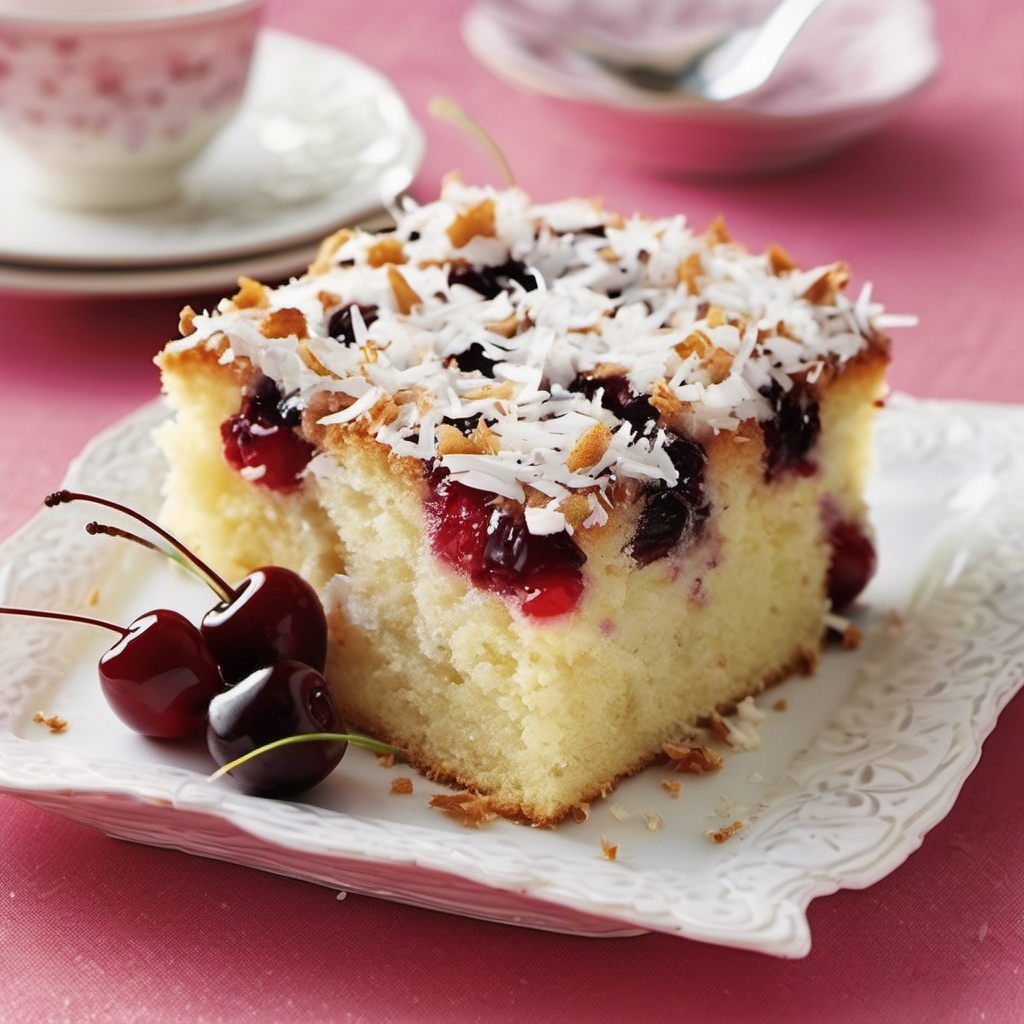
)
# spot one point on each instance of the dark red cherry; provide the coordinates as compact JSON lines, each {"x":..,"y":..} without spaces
{"x":853,"y":562}
{"x":340,"y":325}
{"x":618,"y":397}
{"x":261,"y":438}
{"x":673,"y":515}
{"x":272,"y":615}
{"x":493,"y":547}
{"x":159,"y":677}
{"x":276,"y":702}
{"x":791,"y":435}
{"x":491,"y":281}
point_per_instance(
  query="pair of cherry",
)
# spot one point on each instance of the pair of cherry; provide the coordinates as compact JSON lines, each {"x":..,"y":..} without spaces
{"x":249,"y":676}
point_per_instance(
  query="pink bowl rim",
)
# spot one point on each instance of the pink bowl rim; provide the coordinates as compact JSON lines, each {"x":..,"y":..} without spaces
{"x":157,"y":16}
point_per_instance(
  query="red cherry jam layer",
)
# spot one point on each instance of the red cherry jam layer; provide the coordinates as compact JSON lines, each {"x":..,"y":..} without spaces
{"x":478,"y":538}
{"x":262,"y":438}
{"x":792,"y":434}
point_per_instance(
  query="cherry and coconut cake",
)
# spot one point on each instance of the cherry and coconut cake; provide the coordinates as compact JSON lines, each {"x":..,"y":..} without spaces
{"x":567,"y":482}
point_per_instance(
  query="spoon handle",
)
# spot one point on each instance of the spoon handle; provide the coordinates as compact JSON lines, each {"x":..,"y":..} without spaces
{"x":756,"y":65}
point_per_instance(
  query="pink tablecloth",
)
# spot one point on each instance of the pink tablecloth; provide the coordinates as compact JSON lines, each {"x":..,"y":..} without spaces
{"x":930,"y":209}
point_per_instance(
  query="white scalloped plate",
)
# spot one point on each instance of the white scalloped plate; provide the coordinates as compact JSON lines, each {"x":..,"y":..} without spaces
{"x":867,"y":756}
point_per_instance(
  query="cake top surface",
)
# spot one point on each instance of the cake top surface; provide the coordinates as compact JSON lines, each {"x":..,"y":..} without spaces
{"x":539,"y":350}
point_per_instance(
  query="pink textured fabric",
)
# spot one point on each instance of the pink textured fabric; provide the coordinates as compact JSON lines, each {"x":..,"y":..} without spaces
{"x":930,"y":209}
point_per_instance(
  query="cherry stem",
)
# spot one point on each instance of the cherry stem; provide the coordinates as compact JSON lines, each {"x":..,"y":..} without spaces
{"x":64,"y":617}
{"x":335,"y":737}
{"x":216,"y":582}
{"x":95,"y":529}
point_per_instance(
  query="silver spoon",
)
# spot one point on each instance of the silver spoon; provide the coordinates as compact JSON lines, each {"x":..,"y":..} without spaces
{"x":752,"y":65}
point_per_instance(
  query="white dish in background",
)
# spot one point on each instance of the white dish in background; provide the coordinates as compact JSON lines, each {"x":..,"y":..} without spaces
{"x":798,"y":118}
{"x":868,"y":755}
{"x":217,"y":276}
{"x":320,"y":140}
{"x":150,"y":281}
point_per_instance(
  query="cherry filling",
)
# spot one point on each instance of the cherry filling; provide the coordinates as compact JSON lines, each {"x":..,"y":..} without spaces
{"x":493,"y":547}
{"x":853,"y":561}
{"x":262,"y":437}
{"x":791,"y":435}
{"x":492,"y":281}
{"x":619,"y":398}
{"x":475,"y":358}
{"x":672,"y":515}
{"x":340,"y":325}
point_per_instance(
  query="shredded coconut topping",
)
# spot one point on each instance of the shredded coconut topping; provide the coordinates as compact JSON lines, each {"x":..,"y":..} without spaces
{"x":692,"y":320}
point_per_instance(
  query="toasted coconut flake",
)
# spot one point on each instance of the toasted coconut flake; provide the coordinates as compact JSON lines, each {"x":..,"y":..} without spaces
{"x":401,"y":785}
{"x":609,"y":850}
{"x":673,"y":786}
{"x":328,"y":300}
{"x":666,"y":401}
{"x":590,"y":448}
{"x":720,"y":835}
{"x":486,"y":440}
{"x":452,"y":441}
{"x":470,"y":809}
{"x":471,"y":222}
{"x":780,"y":705}
{"x":491,"y":392}
{"x":307,"y":355}
{"x":52,"y":722}
{"x":719,"y":364}
{"x":285,"y":323}
{"x":695,"y":343}
{"x":186,"y":321}
{"x":505,"y":328}
{"x":825,"y":290}
{"x":693,"y":760}
{"x":716,"y":317}
{"x":689,"y":271}
{"x":250,"y":295}
{"x":779,"y":260}
{"x":405,"y":296}
{"x":385,"y":760}
{"x":93,"y":597}
{"x":387,"y":250}
{"x":328,"y":247}
{"x":717,"y":233}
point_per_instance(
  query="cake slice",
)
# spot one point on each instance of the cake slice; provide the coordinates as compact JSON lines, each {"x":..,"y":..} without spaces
{"x":568,"y":482}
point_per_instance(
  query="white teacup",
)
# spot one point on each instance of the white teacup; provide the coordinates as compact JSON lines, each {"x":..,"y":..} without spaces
{"x":112,"y":99}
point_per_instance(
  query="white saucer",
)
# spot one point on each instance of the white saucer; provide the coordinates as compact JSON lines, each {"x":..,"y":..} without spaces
{"x":216,"y":276}
{"x":321,"y":140}
{"x":870,"y":78}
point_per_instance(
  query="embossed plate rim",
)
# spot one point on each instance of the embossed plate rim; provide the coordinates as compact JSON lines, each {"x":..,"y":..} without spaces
{"x":849,"y":779}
